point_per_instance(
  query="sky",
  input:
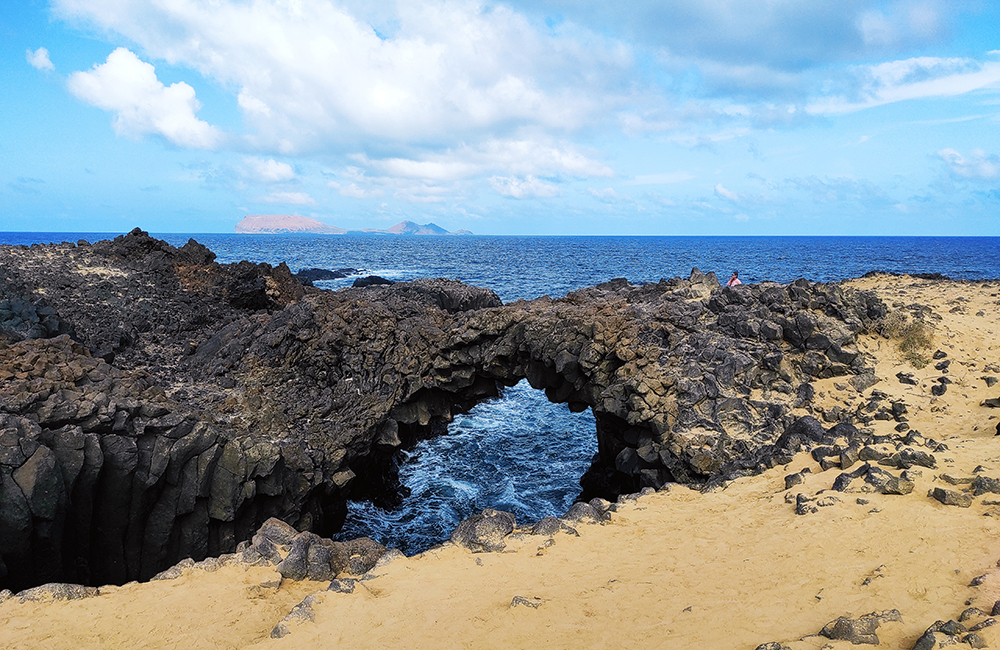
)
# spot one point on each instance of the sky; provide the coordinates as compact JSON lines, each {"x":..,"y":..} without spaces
{"x":577,"y":117}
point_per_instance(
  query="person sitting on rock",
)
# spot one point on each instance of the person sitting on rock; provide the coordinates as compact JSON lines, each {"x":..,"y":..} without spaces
{"x":735,"y":280}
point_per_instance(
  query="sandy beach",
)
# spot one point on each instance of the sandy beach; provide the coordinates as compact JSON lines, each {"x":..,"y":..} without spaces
{"x":732,"y":568}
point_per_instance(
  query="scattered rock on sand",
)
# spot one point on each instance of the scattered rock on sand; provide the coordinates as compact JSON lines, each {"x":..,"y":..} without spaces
{"x":551,"y":526}
{"x":485,"y":532}
{"x":797,"y":478}
{"x":57,"y":591}
{"x":951,"y":497}
{"x":300,"y":613}
{"x":520,"y":601}
{"x":859,"y":630}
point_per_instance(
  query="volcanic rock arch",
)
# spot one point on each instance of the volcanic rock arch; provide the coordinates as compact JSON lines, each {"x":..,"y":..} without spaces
{"x":156,"y":405}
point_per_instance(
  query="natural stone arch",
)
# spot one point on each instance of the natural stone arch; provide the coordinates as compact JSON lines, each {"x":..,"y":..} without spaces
{"x":243,"y":395}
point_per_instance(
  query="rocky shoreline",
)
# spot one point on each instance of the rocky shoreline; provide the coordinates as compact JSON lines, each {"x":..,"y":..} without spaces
{"x":158,"y":406}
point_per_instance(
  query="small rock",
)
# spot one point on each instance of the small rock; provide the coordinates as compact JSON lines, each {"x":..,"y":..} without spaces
{"x":342,"y":586}
{"x":57,"y":591}
{"x":803,"y":505}
{"x":584,"y":513}
{"x":797,"y":478}
{"x":989,"y":622}
{"x":300,"y":613}
{"x":951,"y":627}
{"x":551,"y":526}
{"x":951,"y":497}
{"x":860,"y":630}
{"x":971,"y":612}
{"x":926,"y":642}
{"x":533,"y":602}
{"x":983,"y":484}
{"x":484,"y":533}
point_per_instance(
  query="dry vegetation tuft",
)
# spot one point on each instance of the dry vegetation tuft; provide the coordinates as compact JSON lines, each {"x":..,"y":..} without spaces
{"x":914,"y":338}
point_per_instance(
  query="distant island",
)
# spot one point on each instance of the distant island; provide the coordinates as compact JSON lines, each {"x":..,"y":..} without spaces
{"x":290,"y":223}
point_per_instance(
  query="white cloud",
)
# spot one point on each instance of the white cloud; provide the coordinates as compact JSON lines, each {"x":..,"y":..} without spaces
{"x":355,"y":191}
{"x":723,"y":193}
{"x":528,"y":187}
{"x":901,"y":23}
{"x":914,"y":78}
{"x":39,"y":59}
{"x":268,"y":171}
{"x":521,"y":157}
{"x":313,"y":75}
{"x":437,"y":170}
{"x":142,"y":105}
{"x":608,"y":195}
{"x":289,"y":198}
{"x":977,"y":166}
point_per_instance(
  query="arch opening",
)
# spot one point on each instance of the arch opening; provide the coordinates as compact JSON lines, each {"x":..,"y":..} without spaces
{"x":519,"y":452}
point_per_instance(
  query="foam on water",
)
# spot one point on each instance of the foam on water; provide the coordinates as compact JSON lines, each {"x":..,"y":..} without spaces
{"x":518,"y":453}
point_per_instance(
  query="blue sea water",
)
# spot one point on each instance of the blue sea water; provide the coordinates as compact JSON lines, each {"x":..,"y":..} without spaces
{"x":520,"y":453}
{"x":529,"y":267}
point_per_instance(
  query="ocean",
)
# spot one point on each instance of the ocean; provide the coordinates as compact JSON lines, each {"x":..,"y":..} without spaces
{"x":521,"y":453}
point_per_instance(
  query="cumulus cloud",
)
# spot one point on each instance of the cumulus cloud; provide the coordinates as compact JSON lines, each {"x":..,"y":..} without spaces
{"x":39,"y":59}
{"x":316,"y":74}
{"x":289,"y":198}
{"x":142,"y":105}
{"x":523,"y":188}
{"x":268,"y":171}
{"x":978,"y":165}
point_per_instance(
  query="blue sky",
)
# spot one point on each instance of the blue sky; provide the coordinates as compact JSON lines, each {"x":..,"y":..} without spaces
{"x":751,"y":117}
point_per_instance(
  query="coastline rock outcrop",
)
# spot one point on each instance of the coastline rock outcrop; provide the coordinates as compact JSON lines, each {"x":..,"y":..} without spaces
{"x":157,"y":405}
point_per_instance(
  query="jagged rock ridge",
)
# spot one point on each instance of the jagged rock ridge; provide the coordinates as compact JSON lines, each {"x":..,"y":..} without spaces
{"x":157,"y":405}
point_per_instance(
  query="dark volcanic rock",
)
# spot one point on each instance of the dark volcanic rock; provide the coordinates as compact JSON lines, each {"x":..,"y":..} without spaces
{"x":308,"y":276}
{"x":952,"y":497}
{"x":157,"y":405}
{"x":484,"y":533}
{"x":370,"y":280}
{"x":860,"y":630}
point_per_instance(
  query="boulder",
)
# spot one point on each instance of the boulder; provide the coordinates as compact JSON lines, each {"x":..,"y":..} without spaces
{"x":484,"y":532}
